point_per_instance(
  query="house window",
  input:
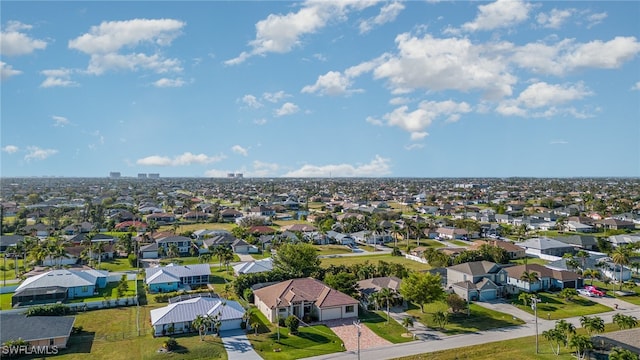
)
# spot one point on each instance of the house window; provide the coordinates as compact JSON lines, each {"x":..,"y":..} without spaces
{"x":349,"y":308}
{"x":85,"y":288}
{"x":52,"y":342}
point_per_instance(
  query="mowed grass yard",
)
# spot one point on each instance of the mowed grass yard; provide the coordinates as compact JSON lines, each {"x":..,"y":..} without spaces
{"x":111,"y":334}
{"x":479,"y":318}
{"x":387,"y":329}
{"x":359,"y":260}
{"x":521,"y":349}
{"x":310,"y":341}
{"x":554,"y":307}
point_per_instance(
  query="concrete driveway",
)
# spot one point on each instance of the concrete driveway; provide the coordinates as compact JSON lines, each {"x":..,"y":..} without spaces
{"x":238,"y":346}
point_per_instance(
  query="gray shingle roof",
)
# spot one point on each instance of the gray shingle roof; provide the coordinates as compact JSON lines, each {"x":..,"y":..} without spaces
{"x":19,"y":326}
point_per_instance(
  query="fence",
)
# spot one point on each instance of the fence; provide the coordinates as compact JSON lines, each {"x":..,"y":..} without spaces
{"x":415,"y":258}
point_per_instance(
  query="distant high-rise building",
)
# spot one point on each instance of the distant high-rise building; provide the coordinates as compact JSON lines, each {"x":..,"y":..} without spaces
{"x":239,"y":175}
{"x":142,"y":176}
{"x":114,"y":175}
{"x":231,"y":175}
{"x":154,"y":176}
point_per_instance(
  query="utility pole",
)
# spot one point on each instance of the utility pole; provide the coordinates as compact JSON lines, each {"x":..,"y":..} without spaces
{"x":534,"y":306}
{"x":358,"y":327}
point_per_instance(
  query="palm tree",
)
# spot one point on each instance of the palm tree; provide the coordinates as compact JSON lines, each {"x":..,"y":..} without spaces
{"x":591,"y":274}
{"x":441,"y":318}
{"x":99,"y":249}
{"x":202,"y":323}
{"x":205,"y":257}
{"x":625,"y":321}
{"x":525,"y":297}
{"x":582,"y":255}
{"x":555,"y":337}
{"x":530,"y":277}
{"x":592,"y":324}
{"x":566,"y":328}
{"x":173,"y":250}
{"x":57,"y":249}
{"x":387,"y":295}
{"x":620,"y":257}
{"x":28,"y":243}
{"x":407,"y":321}
{"x":582,"y":344}
{"x":622,"y":354}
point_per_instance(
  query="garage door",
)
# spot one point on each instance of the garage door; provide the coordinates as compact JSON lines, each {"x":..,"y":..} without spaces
{"x":230,"y":324}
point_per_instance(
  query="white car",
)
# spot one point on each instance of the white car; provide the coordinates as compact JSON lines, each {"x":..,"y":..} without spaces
{"x":585,"y":292}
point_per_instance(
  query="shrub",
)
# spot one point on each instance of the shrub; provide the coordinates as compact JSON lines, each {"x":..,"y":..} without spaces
{"x":48,"y":310}
{"x":248,"y":295}
{"x":292,"y":323}
{"x":170,"y":344}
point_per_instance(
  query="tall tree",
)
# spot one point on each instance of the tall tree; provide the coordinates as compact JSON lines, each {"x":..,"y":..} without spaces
{"x":592,"y":324}
{"x":625,"y":321}
{"x":343,"y":281}
{"x":297,"y":260}
{"x":202,"y":323}
{"x":621,"y":257}
{"x":422,"y":288}
{"x":530,"y":277}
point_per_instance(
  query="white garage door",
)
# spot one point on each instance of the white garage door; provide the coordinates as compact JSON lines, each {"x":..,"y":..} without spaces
{"x":331,"y":314}
{"x":230,"y":324}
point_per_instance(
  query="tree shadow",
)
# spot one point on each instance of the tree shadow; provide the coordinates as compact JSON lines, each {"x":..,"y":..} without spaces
{"x":80,"y":343}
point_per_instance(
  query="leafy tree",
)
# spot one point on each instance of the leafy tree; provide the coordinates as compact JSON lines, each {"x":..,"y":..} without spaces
{"x":292,"y":324}
{"x":525,"y":298}
{"x":123,"y":286}
{"x":343,"y":281}
{"x":173,"y":250}
{"x":422,"y":288}
{"x":441,"y":318}
{"x":297,"y":260}
{"x":568,"y":294}
{"x":591,"y":274}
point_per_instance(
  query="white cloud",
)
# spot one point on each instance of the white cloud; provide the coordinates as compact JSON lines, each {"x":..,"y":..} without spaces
{"x":595,"y":19}
{"x":10,"y":149}
{"x":215,"y":173}
{"x":555,"y":18}
{"x":320,"y":57}
{"x":240,"y":150}
{"x":379,"y":166}
{"x":264,"y":169}
{"x":636,"y":86}
{"x":185,"y":159}
{"x":558,"y":142}
{"x":414,"y":146}
{"x":251,"y":101}
{"x":542,"y":94}
{"x":566,"y":55}
{"x":15,"y":43}
{"x":57,"y":78}
{"x":399,"y":101}
{"x":287,"y":109}
{"x":415,"y":122}
{"x":7,"y":71}
{"x":60,"y":121}
{"x":165,"y":82}
{"x":388,"y":13}
{"x":374,"y":121}
{"x":332,"y":83}
{"x":36,"y":153}
{"x":103,"y":42}
{"x":260,"y":121}
{"x":281,"y":33}
{"x":275,"y":96}
{"x":499,"y":14}
{"x":447,"y":64}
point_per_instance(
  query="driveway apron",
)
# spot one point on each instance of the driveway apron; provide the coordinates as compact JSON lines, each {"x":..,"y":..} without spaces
{"x":238,"y":346}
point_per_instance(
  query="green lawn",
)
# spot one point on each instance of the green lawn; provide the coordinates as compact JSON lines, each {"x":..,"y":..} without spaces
{"x":389,"y":330}
{"x":460,"y":243}
{"x":110,"y":292}
{"x":263,"y":255}
{"x":111,"y":334}
{"x":479,"y":319}
{"x":115,"y":265}
{"x":333,"y":249}
{"x":310,"y":341}
{"x":521,"y":349}
{"x":530,"y":260}
{"x":554,"y":307}
{"x":351,"y":260}
{"x":5,"y":301}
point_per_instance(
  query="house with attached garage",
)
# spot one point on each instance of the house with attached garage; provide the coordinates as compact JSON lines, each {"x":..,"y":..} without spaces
{"x":478,"y":280}
{"x":173,"y":277}
{"x":547,"y":278}
{"x":178,"y":317}
{"x":546,"y":246}
{"x":304,"y":297}
{"x":59,"y":285}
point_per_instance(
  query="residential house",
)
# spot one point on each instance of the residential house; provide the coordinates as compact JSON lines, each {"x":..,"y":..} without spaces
{"x":183,"y":244}
{"x":585,"y":242}
{"x":628,"y":216}
{"x":59,"y":285}
{"x":504,"y":218}
{"x":478,"y":280}
{"x":262,"y":210}
{"x":252,"y":267}
{"x":451,"y":233}
{"x":305,"y":228}
{"x":177,"y":318}
{"x":139,"y":226}
{"x":546,"y":246}
{"x":304,"y":297}
{"x":81,"y":237}
{"x":8,"y":241}
{"x":547,"y":278}
{"x":367,"y":287}
{"x":615,"y":224}
{"x":340,"y":238}
{"x":620,"y":240}
{"x":230,"y":215}
{"x":173,"y":277}
{"x":149,"y":251}
{"x":38,"y":331}
{"x":74,"y":229}
{"x":575,"y":226}
{"x":162,"y":218}
{"x":39,"y":230}
{"x":513,"y":251}
{"x":612,"y":270}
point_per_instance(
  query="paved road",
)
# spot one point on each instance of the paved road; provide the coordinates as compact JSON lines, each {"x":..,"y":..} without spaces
{"x":238,"y":346}
{"x":438,"y":343}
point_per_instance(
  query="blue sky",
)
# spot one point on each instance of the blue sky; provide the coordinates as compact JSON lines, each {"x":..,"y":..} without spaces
{"x":320,"y":89}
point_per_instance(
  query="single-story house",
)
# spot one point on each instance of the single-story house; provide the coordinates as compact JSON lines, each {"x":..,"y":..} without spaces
{"x":59,"y":285}
{"x":252,"y":267}
{"x":340,"y":238}
{"x":513,"y":251}
{"x":126,"y":225}
{"x":615,"y":224}
{"x":162,"y":218}
{"x":40,"y":331}
{"x":579,"y":227}
{"x":172,"y":277}
{"x":178,"y":317}
{"x":451,"y":233}
{"x":619,"y":240}
{"x":302,"y":297}
{"x":7,"y":241}
{"x":547,"y":278}
{"x":367,"y":287}
{"x":586,"y":242}
{"x":546,"y":246}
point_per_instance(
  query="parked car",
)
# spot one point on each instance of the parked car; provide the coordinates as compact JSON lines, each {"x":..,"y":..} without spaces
{"x":585,"y":292}
{"x":594,"y":290}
